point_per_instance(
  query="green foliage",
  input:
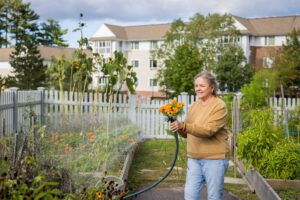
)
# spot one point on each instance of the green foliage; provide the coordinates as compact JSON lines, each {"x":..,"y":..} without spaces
{"x":25,"y":181}
{"x":258,"y":138}
{"x":287,"y":61}
{"x":28,"y":68}
{"x":231,"y":71}
{"x":4,"y":23}
{"x":51,"y":34}
{"x":179,"y":79}
{"x":190,"y":48}
{"x":118,"y":73}
{"x":228,"y":99}
{"x":255,"y":94}
{"x":283,"y":162}
{"x":27,"y":64}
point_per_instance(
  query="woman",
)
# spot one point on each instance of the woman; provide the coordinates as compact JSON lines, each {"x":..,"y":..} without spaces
{"x":207,"y":140}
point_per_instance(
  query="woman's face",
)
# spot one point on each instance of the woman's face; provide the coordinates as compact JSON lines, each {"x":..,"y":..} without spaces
{"x":202,"y":88}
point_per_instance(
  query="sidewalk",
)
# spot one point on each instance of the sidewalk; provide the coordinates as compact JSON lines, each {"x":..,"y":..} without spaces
{"x":177,"y":194}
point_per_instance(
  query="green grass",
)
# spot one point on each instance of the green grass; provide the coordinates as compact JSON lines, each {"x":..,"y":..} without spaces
{"x":151,"y":161}
{"x":289,"y":194}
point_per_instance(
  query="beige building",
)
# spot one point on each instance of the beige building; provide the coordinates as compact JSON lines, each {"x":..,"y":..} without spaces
{"x":260,"y":37}
{"x":46,"y":54}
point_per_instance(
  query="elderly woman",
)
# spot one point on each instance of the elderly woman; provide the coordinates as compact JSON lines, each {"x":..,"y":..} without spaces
{"x":207,"y":140}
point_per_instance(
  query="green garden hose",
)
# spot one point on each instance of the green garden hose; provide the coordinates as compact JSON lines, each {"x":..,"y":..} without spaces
{"x":135,"y":194}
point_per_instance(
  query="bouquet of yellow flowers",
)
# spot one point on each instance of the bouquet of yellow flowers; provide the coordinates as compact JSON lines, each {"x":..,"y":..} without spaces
{"x":172,"y":110}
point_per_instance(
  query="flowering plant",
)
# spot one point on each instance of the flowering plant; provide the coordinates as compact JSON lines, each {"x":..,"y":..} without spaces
{"x":172,"y":110}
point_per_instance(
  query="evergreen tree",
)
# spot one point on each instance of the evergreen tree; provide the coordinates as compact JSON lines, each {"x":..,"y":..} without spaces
{"x":5,"y":6}
{"x":29,"y":70}
{"x":51,"y":34}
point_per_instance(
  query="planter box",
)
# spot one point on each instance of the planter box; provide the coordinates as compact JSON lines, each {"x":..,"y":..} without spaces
{"x":279,"y":184}
{"x":261,"y":187}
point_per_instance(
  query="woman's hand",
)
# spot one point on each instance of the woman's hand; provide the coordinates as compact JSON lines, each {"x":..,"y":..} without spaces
{"x":176,"y":126}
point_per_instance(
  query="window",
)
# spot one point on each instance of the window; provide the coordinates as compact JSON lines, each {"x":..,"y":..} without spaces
{"x":135,"y":45}
{"x":270,"y":40}
{"x":153,"y":45}
{"x":102,"y":46}
{"x":267,"y":62}
{"x":153,"y":82}
{"x":153,"y":63}
{"x":135,"y":63}
{"x":225,"y":40}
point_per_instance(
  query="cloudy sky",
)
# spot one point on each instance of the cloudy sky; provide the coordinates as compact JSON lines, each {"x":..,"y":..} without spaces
{"x":134,"y":12}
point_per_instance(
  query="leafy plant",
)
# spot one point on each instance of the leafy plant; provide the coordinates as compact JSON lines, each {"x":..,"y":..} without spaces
{"x":282,"y":162}
{"x":256,"y":93}
{"x":26,"y":181}
{"x":258,"y":138}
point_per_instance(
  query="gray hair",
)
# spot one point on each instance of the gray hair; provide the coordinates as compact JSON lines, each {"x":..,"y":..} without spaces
{"x":211,"y":80}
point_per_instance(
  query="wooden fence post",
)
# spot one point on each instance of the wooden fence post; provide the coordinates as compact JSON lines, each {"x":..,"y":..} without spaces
{"x":15,"y":108}
{"x":42,"y":90}
{"x":132,"y":108}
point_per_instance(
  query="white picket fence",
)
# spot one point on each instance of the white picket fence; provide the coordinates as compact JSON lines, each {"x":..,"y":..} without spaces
{"x":142,"y":111}
{"x":15,"y":108}
{"x":53,"y":107}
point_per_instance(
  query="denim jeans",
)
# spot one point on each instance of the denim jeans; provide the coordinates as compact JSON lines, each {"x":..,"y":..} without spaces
{"x":200,"y":171}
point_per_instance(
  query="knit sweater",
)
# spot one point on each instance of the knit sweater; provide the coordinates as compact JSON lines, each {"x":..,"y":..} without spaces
{"x":205,"y":130}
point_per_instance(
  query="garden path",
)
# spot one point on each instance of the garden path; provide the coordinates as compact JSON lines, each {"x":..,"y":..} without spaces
{"x":176,"y":193}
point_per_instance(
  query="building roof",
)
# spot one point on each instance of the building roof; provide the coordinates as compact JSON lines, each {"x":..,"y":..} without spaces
{"x":270,"y":25}
{"x":256,"y":26}
{"x":139,"y":32}
{"x":46,"y":52}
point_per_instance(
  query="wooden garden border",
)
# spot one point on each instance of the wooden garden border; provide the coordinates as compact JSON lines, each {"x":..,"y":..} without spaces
{"x":261,"y":187}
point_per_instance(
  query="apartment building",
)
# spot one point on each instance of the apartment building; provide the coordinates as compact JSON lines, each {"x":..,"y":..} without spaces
{"x":260,"y":38}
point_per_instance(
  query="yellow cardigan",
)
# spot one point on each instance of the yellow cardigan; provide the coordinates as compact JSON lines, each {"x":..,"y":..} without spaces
{"x":205,"y":130}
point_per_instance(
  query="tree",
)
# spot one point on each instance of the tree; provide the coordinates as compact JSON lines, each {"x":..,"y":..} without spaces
{"x":199,"y":34}
{"x":28,"y":67}
{"x":231,"y":71}
{"x":256,"y":93}
{"x":185,"y":62}
{"x":5,"y":9}
{"x":119,"y":73}
{"x":287,"y":61}
{"x":51,"y":34}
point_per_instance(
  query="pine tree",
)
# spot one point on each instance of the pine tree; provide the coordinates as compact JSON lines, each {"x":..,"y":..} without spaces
{"x":4,"y":22}
{"x":29,"y":70}
{"x":51,"y":34}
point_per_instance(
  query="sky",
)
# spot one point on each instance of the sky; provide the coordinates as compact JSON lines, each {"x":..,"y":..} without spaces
{"x":135,"y":12}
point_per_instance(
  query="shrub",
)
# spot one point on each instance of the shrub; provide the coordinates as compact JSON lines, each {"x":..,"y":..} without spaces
{"x":283,"y":162}
{"x":259,"y":137}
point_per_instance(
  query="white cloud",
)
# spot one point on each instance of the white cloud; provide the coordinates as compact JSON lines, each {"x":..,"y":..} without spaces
{"x":142,"y":10}
{"x":153,"y":11}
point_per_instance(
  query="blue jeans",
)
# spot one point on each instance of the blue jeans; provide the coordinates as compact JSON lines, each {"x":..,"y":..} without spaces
{"x":200,"y":171}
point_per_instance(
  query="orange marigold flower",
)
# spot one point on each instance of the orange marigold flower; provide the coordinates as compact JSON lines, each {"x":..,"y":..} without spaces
{"x":161,"y":109}
{"x":175,"y":110}
{"x":90,"y":136}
